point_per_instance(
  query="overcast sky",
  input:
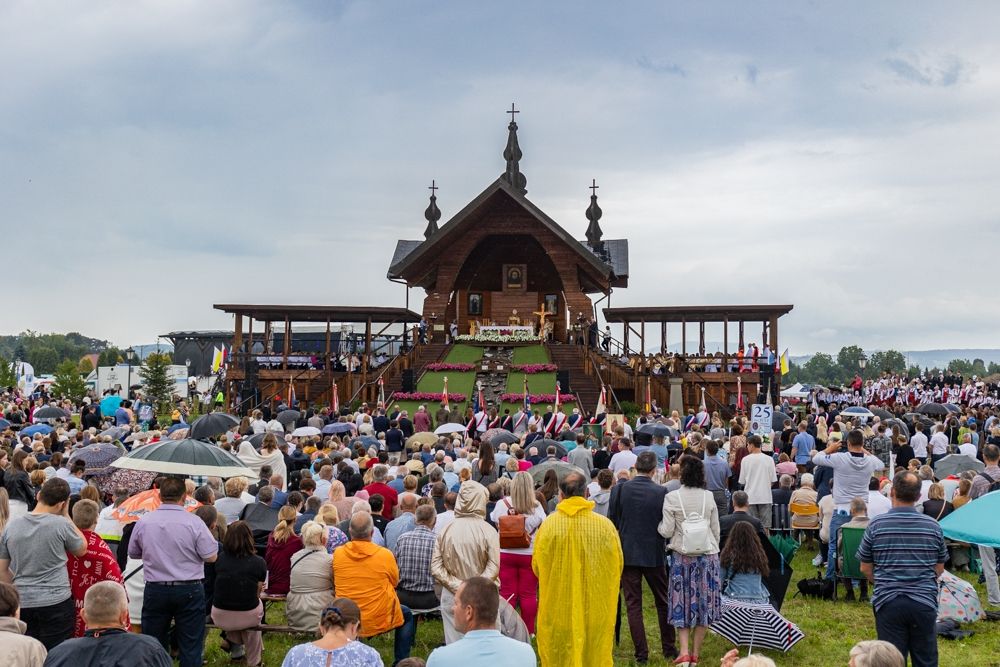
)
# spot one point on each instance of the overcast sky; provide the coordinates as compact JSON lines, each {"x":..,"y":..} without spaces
{"x":159,"y":157}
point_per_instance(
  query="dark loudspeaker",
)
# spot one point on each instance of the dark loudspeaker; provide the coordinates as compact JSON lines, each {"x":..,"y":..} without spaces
{"x":562,"y":377}
{"x":408,"y":382}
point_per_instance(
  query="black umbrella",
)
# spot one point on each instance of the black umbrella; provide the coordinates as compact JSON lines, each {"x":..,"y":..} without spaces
{"x":951,"y":407}
{"x":655,"y":429}
{"x":258,"y":440}
{"x":287,"y":417}
{"x":904,"y":430}
{"x":185,"y":457}
{"x":913,"y":418}
{"x":778,"y":420}
{"x":50,"y":412}
{"x":882,"y":413}
{"x":543,"y":445}
{"x":212,"y":424}
{"x":933,"y":409}
{"x":504,"y":437}
{"x":779,"y":574}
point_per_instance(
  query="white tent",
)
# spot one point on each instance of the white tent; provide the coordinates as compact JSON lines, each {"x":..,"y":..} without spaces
{"x":795,"y":391}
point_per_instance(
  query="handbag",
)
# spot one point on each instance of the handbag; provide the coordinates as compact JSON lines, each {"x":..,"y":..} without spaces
{"x":816,"y":587}
{"x":512,"y":529}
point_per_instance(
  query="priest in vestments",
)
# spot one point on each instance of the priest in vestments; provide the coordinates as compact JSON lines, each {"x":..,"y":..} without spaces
{"x":578,"y":561}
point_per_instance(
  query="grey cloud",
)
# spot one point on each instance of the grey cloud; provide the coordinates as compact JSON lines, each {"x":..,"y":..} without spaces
{"x":944,"y":71}
{"x":660,"y":67}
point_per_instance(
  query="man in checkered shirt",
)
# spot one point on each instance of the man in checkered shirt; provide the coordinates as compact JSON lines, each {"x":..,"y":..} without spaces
{"x":413,"y":556}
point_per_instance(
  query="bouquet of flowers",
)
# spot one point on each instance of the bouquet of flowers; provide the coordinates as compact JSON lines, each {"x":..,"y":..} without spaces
{"x":499,"y":336}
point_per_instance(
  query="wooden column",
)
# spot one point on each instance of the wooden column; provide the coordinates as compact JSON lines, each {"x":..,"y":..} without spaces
{"x":777,"y":359}
{"x":663,"y":337}
{"x":367,"y":351}
{"x":742,"y":345}
{"x":288,"y":344}
{"x":642,"y":343}
{"x":625,"y":329}
{"x":684,"y":337}
{"x":268,"y":349}
{"x":701,"y":339}
{"x":250,"y":337}
{"x":725,"y":344}
{"x":238,"y":334}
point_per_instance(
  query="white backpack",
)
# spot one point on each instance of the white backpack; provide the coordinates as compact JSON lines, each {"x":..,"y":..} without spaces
{"x":696,"y":531}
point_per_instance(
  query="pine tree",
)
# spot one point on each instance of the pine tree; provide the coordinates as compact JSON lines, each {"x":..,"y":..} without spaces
{"x":156,"y":383}
{"x":68,"y":382}
{"x":8,"y":374}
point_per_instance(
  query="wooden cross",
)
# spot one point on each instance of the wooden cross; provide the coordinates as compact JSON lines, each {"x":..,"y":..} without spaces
{"x":594,"y":187}
{"x":512,"y":112}
{"x":433,"y":187}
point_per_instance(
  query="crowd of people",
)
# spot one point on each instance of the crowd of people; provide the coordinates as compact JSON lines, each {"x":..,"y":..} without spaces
{"x":514,"y":544}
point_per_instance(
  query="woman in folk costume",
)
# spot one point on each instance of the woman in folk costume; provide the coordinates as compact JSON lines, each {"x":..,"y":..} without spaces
{"x":740,"y":359}
{"x":269,"y":455}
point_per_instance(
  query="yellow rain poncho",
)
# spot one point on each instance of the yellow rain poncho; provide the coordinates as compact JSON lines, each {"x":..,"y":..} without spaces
{"x":578,"y":561}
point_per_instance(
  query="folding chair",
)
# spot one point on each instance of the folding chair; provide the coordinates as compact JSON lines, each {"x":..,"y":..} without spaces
{"x":804,"y":518}
{"x":780,"y":522}
{"x":848,"y":564}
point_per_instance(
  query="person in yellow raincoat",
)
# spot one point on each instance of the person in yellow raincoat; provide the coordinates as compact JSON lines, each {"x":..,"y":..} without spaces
{"x":578,"y":561}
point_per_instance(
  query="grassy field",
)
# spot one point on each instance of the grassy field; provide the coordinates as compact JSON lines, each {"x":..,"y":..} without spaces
{"x":531,"y":354}
{"x":464,"y":354}
{"x":831,"y":629}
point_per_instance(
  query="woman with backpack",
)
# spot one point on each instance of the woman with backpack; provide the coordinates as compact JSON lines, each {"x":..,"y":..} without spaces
{"x":517,"y":518}
{"x":691,"y":523}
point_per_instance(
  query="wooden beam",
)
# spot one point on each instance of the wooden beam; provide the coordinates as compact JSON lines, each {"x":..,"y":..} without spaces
{"x":684,"y":337}
{"x":701,"y":339}
{"x":267,"y":338}
{"x":367,"y":352}
{"x":742,"y":345}
{"x":238,"y":335}
{"x":663,"y":337}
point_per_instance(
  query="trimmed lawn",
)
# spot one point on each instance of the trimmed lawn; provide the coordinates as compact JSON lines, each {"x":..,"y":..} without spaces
{"x":531,"y":354}
{"x":831,"y":629}
{"x":539,"y":383}
{"x":458,"y":383}
{"x":464,"y":354}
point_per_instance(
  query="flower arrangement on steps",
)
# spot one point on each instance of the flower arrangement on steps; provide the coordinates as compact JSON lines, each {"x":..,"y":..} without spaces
{"x":426,"y":396}
{"x":499,"y":336}
{"x":536,"y":398}
{"x":532,"y":369}
{"x":445,"y":366}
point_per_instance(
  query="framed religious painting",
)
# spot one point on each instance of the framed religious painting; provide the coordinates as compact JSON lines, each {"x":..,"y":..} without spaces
{"x":551,"y":304}
{"x":514,"y":277}
{"x":475,"y":304}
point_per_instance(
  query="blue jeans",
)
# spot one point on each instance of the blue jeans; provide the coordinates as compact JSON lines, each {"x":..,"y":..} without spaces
{"x":839,"y":518}
{"x":909,"y":626}
{"x":403,"y":640}
{"x":184,"y":605}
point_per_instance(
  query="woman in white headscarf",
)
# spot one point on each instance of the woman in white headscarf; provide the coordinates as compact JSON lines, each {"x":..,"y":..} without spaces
{"x":269,"y":455}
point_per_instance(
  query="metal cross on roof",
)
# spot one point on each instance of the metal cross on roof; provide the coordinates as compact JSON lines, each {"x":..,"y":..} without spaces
{"x":433,"y":187}
{"x":512,"y":111}
{"x":594,"y":187}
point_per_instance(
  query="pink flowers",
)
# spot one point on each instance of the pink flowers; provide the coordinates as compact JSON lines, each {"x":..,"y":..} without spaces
{"x":445,"y":366}
{"x":426,"y":396}
{"x":537,"y":398}
{"x":531,"y":369}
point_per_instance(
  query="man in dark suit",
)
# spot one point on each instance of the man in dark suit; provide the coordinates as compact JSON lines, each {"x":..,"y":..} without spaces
{"x":635,"y":508}
{"x":380,"y":423}
{"x":741,"y":505}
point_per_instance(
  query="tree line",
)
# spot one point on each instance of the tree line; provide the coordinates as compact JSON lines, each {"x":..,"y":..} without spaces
{"x":842,"y":368}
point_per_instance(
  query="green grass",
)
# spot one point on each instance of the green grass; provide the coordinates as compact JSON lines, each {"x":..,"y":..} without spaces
{"x":831,"y":629}
{"x":531,"y":354}
{"x":464,"y":354}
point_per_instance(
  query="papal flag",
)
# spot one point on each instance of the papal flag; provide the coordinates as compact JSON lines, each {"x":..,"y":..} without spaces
{"x":783,"y":362}
{"x":217,"y":357}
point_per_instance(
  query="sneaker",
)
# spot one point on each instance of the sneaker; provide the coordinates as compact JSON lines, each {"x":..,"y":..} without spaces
{"x":237,"y":652}
{"x":818,"y":560}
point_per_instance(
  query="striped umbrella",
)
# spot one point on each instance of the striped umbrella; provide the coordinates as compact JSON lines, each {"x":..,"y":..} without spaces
{"x":756,"y":625}
{"x":185,"y":457}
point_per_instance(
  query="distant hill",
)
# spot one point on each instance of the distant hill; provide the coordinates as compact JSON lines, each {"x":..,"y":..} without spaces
{"x":932,"y":358}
